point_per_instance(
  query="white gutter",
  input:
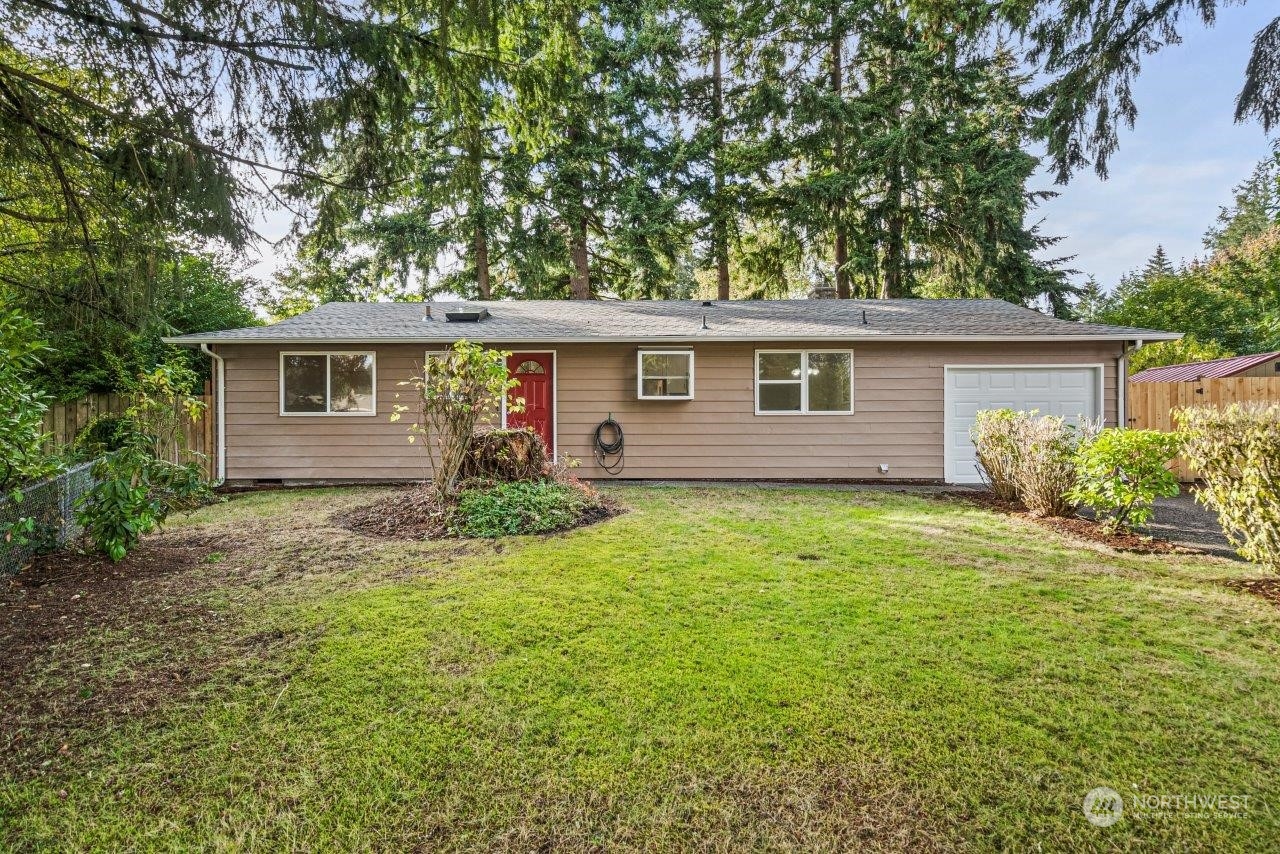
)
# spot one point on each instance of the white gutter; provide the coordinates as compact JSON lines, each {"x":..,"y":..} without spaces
{"x":220,"y":410}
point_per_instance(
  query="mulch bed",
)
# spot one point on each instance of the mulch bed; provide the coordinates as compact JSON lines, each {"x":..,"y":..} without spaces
{"x":1086,"y":529}
{"x":415,"y":514}
{"x":409,"y":514}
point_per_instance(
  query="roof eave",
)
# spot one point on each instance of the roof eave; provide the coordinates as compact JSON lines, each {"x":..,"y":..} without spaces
{"x":1143,"y":336}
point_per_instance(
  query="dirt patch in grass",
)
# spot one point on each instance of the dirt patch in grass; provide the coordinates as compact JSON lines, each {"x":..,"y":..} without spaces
{"x":1266,"y":588}
{"x":1076,"y":526}
{"x":56,"y":617}
{"x":414,"y":513}
{"x":779,"y":806}
{"x":87,"y":645}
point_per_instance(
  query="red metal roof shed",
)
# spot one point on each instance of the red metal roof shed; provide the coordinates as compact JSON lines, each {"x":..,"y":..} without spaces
{"x":1192,"y":371}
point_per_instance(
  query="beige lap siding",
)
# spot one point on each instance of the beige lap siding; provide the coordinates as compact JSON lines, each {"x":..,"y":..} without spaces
{"x":897,"y":420}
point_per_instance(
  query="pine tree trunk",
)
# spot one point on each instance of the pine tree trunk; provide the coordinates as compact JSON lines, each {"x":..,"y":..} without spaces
{"x":482,"y":264}
{"x":719,"y":228}
{"x":579,"y":260}
{"x":837,"y":210}
{"x":895,"y":257}
{"x":475,"y":179}
{"x":580,"y":275}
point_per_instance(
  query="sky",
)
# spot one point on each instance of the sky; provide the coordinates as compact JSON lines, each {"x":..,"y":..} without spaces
{"x":1179,"y":163}
{"x":1172,"y":172}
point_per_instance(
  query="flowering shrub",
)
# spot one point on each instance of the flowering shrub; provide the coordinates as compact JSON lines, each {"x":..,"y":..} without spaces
{"x":1121,"y":473}
{"x":1046,"y":467}
{"x":1236,"y":451}
{"x":1030,"y":457}
{"x":994,"y":435}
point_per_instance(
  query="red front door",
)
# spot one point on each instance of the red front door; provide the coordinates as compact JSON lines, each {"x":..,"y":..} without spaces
{"x":533,"y":373}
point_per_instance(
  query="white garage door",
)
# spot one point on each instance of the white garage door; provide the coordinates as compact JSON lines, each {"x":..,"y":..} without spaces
{"x":1070,"y":392}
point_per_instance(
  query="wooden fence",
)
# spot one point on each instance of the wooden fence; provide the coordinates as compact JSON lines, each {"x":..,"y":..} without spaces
{"x":64,"y":421}
{"x":1151,"y":405}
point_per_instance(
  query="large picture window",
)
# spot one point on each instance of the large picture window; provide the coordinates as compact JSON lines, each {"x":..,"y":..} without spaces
{"x":665,"y":375}
{"x":805,"y":382}
{"x":327,"y":384}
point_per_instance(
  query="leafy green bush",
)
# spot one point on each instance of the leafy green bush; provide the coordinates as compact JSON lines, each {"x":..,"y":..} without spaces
{"x":105,"y":433}
{"x":22,"y":404}
{"x":134,"y":494}
{"x":520,"y":507}
{"x":1236,"y":451}
{"x":995,"y":440}
{"x":1121,"y":473}
{"x":150,"y":474}
{"x":120,"y":508}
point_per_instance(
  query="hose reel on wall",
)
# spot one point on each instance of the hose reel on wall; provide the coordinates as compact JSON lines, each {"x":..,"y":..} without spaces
{"x":608,"y":443}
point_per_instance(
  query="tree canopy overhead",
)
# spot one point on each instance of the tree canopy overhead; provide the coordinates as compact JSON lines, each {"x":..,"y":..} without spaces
{"x":556,"y":148}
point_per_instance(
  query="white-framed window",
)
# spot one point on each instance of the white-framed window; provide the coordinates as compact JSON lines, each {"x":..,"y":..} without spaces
{"x":337,"y":383}
{"x":664,"y":374}
{"x":804,"y":382}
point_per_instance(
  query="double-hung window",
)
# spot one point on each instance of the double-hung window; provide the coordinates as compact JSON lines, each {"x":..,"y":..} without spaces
{"x":805,"y":382}
{"x":664,"y":375}
{"x":327,"y":384}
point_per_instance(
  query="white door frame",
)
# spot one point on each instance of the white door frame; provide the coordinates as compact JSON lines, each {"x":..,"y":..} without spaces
{"x":1097,"y":367}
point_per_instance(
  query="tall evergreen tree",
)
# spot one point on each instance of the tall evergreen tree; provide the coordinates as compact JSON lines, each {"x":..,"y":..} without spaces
{"x":1158,"y":264}
{"x":1255,"y":208}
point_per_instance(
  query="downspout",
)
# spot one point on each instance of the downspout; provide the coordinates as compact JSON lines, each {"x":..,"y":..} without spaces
{"x":1122,"y":380}
{"x":220,"y":412}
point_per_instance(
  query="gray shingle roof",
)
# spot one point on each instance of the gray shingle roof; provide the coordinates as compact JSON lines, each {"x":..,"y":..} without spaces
{"x":673,"y":321}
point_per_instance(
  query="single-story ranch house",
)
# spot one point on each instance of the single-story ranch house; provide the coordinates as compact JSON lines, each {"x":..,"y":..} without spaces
{"x":770,"y":389}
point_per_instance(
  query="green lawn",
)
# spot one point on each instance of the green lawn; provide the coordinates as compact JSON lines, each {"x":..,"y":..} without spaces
{"x":717,"y":669}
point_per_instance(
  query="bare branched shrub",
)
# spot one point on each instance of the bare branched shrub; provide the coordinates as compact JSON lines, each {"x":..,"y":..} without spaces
{"x":1046,"y":468}
{"x":994,"y":435}
{"x":458,"y":390}
{"x":1236,"y":451}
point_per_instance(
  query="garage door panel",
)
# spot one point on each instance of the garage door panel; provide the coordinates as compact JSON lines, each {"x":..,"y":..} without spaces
{"x":1001,"y":380}
{"x":1038,"y":380}
{"x":1074,"y":379}
{"x":1067,"y":392}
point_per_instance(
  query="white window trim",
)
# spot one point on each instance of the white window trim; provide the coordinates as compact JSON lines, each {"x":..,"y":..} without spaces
{"x":803,"y":381}
{"x":640,"y":354}
{"x":372,"y":354}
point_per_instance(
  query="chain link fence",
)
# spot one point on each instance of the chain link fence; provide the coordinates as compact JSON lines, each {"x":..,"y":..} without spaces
{"x":51,"y":505}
